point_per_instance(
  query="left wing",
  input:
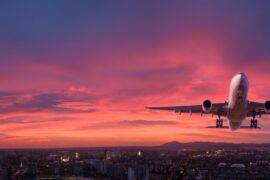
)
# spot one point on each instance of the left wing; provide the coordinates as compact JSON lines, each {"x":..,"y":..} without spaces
{"x":217,"y":108}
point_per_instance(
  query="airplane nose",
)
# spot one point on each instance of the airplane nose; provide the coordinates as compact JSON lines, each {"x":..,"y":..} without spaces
{"x":242,"y":75}
{"x":244,"y":79}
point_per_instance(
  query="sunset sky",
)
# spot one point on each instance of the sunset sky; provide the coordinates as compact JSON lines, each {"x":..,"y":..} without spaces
{"x":79,"y":73}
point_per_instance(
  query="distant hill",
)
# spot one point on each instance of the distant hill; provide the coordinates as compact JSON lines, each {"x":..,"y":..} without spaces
{"x":172,"y":144}
{"x":212,"y":145}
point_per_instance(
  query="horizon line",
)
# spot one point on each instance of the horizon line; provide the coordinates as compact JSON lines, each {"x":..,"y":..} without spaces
{"x":129,"y":146}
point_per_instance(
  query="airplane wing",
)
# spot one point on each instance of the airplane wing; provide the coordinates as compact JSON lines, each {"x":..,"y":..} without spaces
{"x":257,"y":108}
{"x":217,"y":108}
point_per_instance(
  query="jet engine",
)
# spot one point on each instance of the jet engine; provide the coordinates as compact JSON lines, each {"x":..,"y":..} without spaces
{"x":207,"y":106}
{"x":267,"y":106}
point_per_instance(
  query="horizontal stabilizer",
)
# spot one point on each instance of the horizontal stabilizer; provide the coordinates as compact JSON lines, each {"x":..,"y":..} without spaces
{"x":226,"y":127}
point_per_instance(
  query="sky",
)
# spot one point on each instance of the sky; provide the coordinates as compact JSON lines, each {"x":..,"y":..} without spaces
{"x":79,"y":74}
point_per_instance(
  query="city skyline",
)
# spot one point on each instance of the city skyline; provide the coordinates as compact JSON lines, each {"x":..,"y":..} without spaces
{"x":80,"y":75}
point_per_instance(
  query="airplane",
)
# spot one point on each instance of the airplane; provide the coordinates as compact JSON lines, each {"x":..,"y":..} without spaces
{"x":236,"y":108}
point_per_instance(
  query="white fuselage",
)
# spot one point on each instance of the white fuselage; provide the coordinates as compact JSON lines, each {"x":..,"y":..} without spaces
{"x":237,"y":102}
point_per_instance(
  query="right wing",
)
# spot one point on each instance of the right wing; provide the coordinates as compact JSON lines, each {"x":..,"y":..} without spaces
{"x":217,"y":108}
{"x":257,"y":108}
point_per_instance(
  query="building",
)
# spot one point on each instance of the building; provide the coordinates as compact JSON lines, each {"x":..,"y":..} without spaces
{"x":138,"y":173}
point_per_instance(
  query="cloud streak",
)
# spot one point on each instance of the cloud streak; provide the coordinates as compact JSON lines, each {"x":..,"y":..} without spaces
{"x":129,"y":124}
{"x":53,"y":101}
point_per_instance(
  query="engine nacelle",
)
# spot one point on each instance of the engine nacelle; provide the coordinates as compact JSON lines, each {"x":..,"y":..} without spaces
{"x":267,"y":106}
{"x":207,"y":106}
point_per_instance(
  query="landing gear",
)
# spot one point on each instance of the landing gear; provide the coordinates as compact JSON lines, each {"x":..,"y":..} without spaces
{"x":254,"y":121}
{"x":219,"y":122}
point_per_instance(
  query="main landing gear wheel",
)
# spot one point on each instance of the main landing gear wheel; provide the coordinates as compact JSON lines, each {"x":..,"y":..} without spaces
{"x":253,"y":123}
{"x":219,"y":123}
